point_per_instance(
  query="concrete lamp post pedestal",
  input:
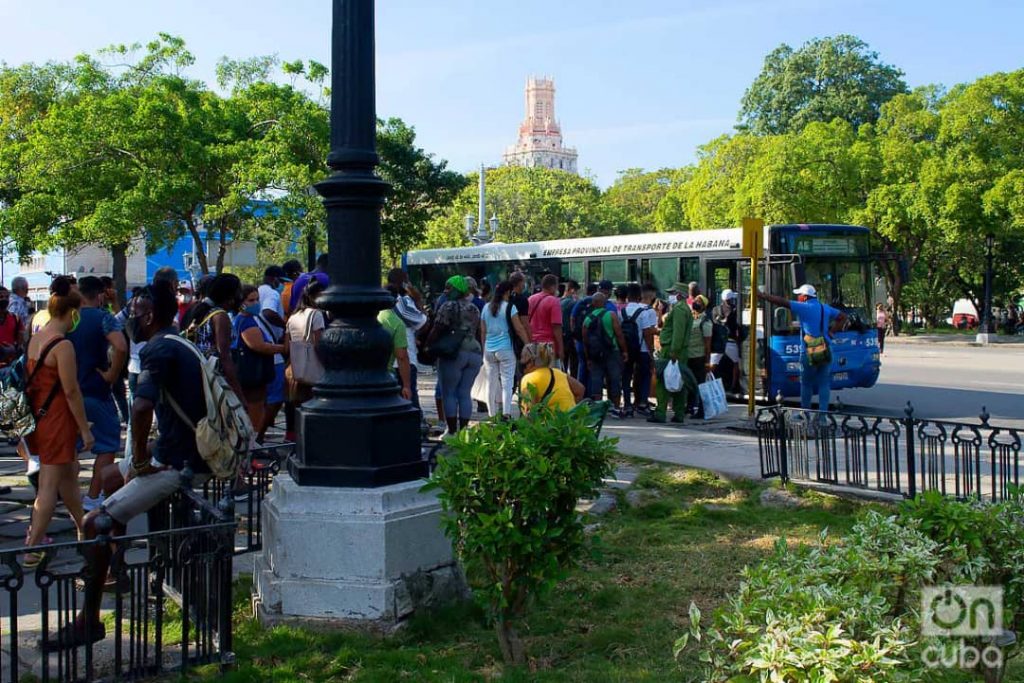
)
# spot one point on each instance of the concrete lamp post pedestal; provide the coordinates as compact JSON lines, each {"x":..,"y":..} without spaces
{"x":341,"y":555}
{"x":348,"y":536}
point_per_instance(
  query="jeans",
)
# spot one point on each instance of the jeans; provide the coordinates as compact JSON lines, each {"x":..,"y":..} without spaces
{"x":636,"y":381}
{"x":501,"y":371}
{"x":457,"y":377}
{"x":611,"y":369}
{"x":583,"y":373}
{"x":815,"y":380}
{"x":414,"y":397}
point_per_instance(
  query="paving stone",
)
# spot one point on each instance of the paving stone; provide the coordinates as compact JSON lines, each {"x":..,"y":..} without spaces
{"x":20,"y":494}
{"x":19,"y":529}
{"x":603,"y":505}
{"x":7,"y":507}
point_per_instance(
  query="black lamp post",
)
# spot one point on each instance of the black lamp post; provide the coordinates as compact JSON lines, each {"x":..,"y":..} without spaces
{"x":989,"y":242}
{"x":357,"y":430}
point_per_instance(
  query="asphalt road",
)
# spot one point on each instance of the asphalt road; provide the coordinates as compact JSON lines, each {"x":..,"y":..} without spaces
{"x":947,"y":382}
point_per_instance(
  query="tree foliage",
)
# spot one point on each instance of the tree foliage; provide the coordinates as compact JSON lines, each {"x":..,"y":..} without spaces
{"x":838,"y":77}
{"x":531,"y":204}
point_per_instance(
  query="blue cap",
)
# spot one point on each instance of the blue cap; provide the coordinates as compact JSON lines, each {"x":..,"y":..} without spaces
{"x":605,"y":284}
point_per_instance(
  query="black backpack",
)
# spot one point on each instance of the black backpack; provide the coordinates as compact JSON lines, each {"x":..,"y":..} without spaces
{"x":719,"y":336}
{"x":631,"y":331}
{"x":597,"y":342}
{"x":582,"y":309}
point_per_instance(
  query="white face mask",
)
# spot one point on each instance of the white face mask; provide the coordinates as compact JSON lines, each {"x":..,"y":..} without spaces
{"x":673,"y":299}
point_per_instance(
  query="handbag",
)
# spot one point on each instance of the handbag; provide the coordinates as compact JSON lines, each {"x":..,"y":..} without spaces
{"x":712,"y":396}
{"x":444,"y":343}
{"x":305,"y":363}
{"x":254,"y":369}
{"x":817,"y":348}
{"x":17,"y":419}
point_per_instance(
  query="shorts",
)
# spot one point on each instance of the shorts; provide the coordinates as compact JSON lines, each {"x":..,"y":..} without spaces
{"x":143,"y":493}
{"x":275,"y":390}
{"x":732,"y":350}
{"x":106,"y":425}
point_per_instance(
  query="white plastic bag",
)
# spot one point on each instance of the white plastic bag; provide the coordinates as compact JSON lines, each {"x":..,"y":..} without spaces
{"x":673,"y":378}
{"x":712,"y":395}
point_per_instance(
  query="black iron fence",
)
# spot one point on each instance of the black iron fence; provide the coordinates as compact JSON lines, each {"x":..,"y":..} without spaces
{"x":249,"y":491}
{"x":895,"y":455}
{"x":168,"y":607}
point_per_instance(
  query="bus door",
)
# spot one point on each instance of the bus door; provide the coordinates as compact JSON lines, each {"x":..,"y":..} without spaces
{"x":721,"y":275}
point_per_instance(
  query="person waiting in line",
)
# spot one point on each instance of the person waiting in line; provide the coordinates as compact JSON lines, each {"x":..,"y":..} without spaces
{"x":302,"y":338}
{"x":519,"y":305}
{"x":457,"y":374}
{"x":546,"y":315}
{"x":301,"y":282}
{"x":271,"y":322}
{"x":398,"y":362}
{"x":11,"y":332}
{"x":210,"y":327}
{"x":675,"y":340}
{"x":171,"y":388}
{"x":542,"y":381}
{"x":100,"y":353}
{"x":621,"y":293}
{"x":605,"y":349}
{"x":580,"y":311}
{"x":407,"y":308}
{"x":699,"y":355}
{"x":728,"y":363}
{"x":692,"y":292}
{"x":499,"y":357}
{"x":254,"y":351}
{"x":20,"y":306}
{"x":56,"y":400}
{"x":570,"y":362}
{"x":817,"y":322}
{"x":292,"y":270}
{"x":639,"y":323}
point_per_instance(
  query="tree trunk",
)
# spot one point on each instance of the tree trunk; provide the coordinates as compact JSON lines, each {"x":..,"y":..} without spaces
{"x":119,"y":271}
{"x":222,"y":228}
{"x":512,"y":650}
{"x":198,"y":250}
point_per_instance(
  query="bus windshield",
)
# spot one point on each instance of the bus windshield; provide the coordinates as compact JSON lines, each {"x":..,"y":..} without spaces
{"x":842,"y":283}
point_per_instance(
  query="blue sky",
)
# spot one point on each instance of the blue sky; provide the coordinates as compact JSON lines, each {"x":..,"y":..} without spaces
{"x":640,"y":83}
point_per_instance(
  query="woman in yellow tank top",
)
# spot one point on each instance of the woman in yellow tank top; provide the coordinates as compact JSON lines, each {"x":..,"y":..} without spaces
{"x":541,"y":381}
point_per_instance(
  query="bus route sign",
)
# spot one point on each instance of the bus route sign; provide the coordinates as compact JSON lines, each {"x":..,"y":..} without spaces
{"x":753,"y":237}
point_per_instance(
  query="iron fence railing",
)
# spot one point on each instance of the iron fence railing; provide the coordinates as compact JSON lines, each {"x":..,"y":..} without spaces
{"x":168,"y":607}
{"x":894,"y":455}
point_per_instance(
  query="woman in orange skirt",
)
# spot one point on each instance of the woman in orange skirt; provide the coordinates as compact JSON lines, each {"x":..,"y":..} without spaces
{"x":56,"y":401}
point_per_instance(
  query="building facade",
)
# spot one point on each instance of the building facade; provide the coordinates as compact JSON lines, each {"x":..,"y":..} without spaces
{"x":540,"y":136}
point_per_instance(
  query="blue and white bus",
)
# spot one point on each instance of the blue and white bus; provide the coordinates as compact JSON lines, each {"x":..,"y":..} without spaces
{"x":836,"y":259}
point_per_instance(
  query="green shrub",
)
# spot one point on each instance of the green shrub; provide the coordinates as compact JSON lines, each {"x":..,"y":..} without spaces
{"x":983,"y":542}
{"x":841,"y":610}
{"x":509,"y":492}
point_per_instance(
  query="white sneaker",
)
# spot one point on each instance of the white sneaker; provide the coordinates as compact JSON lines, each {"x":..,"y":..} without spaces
{"x":89,"y":504}
{"x":33,"y":465}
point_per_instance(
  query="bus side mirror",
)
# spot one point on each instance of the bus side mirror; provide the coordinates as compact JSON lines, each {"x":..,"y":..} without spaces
{"x":799,"y":276}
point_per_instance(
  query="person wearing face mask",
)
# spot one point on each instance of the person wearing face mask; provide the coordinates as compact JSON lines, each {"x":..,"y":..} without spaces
{"x":100,"y":349}
{"x":210,"y":325}
{"x":170,"y":389}
{"x":186,"y":300}
{"x":10,"y":330}
{"x":254,"y":350}
{"x":56,"y":399}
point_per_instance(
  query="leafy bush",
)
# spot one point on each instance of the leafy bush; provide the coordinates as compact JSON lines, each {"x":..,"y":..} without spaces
{"x":509,"y":492}
{"x":983,"y":542}
{"x":842,"y":610}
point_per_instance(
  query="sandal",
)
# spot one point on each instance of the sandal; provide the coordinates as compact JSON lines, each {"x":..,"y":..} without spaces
{"x":30,"y":561}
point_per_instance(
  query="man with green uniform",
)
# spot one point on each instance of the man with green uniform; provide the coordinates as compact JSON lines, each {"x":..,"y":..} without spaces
{"x":675,"y":343}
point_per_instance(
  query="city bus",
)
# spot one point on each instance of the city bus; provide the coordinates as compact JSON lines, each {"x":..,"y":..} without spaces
{"x":836,"y":259}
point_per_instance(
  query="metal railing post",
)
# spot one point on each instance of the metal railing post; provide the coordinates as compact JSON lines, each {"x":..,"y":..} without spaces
{"x":783,"y":438}
{"x":911,"y":455}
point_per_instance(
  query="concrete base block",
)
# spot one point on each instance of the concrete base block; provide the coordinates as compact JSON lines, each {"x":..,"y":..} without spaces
{"x":350,"y":555}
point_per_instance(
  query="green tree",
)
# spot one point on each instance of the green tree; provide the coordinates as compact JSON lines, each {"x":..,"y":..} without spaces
{"x":636,"y":195}
{"x":531,"y":204}
{"x":827,"y":78}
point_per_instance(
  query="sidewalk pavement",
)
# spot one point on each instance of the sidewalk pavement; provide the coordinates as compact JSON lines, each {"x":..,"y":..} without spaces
{"x":1016,"y":341}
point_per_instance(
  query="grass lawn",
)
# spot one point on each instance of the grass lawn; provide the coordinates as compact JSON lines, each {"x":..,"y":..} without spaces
{"x":613,"y":619}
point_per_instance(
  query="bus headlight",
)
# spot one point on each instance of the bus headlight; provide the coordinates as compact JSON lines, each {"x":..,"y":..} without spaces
{"x":792,"y":367}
